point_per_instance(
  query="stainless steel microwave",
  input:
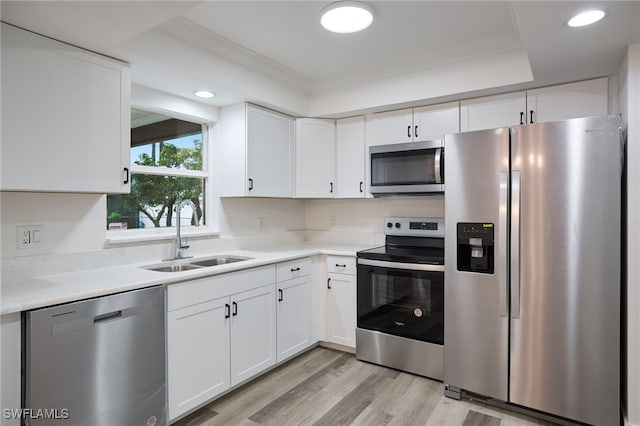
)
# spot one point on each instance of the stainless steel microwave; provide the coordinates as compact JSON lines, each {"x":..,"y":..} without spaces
{"x":407,"y":168}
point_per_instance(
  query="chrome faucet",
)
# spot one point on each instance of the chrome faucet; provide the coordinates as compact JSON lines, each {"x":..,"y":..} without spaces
{"x":179,"y":245}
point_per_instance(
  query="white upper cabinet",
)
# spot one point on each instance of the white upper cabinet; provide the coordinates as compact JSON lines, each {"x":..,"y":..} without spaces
{"x":493,"y":111}
{"x":65,"y":117}
{"x":350,"y":157}
{"x":582,"y":99}
{"x":255,"y":152}
{"x":417,"y":124}
{"x":554,"y":103}
{"x":394,"y":126}
{"x":434,"y":121}
{"x":315,"y":158}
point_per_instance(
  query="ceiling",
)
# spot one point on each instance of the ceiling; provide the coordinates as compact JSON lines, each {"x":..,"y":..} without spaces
{"x":237,"y":48}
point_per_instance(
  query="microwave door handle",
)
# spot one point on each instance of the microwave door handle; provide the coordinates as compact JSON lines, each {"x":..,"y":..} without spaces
{"x":436,"y":165}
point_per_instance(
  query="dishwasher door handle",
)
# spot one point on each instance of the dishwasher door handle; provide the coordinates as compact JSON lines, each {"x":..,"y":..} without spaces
{"x":107,"y":317}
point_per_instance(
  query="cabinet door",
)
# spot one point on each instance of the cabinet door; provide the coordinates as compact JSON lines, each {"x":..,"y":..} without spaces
{"x":492,"y":112}
{"x":394,"y":126}
{"x":434,"y":121}
{"x":315,"y":158}
{"x":350,"y":157}
{"x":574,"y":100}
{"x":197,"y":354}
{"x":294,"y":316}
{"x":253,"y":332}
{"x":65,"y":117}
{"x":270,"y":148}
{"x":341,"y":309}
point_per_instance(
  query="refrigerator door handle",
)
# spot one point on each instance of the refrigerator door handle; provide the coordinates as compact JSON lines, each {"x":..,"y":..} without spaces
{"x":436,"y":165}
{"x":515,"y":244}
{"x":503,"y":232}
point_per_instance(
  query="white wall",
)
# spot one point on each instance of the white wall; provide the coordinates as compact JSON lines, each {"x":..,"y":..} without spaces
{"x":72,"y":222}
{"x":247,"y":216}
{"x":630,"y":109}
{"x":361,"y":221}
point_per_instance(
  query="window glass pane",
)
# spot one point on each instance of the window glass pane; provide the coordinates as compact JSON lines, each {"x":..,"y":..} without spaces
{"x":152,"y":202}
{"x":159,"y":140}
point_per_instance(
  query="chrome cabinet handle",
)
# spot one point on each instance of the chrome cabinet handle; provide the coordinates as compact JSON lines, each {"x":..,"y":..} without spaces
{"x":515,"y":244}
{"x":502,"y":270}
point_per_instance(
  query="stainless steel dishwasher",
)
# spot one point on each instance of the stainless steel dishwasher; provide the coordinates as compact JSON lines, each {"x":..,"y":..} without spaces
{"x":96,"y":362}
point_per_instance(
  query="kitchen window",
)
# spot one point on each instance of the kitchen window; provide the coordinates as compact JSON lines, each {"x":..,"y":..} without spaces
{"x":168,"y":164}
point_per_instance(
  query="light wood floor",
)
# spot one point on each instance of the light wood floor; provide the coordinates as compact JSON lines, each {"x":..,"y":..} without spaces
{"x":327,"y":387}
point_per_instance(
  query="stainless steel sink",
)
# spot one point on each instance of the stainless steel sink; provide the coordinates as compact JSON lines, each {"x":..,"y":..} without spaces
{"x":173,"y":268}
{"x":219,"y":260}
{"x":196,"y":264}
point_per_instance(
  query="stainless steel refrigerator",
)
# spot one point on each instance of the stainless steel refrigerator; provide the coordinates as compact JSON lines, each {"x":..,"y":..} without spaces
{"x":532,"y":256}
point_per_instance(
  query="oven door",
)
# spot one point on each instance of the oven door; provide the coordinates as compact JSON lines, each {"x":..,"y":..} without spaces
{"x":401,"y":299}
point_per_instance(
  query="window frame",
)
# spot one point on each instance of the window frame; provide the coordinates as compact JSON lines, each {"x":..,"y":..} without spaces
{"x":123,"y":236}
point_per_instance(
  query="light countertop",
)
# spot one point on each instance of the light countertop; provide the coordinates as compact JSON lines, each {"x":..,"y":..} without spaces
{"x":62,"y":288}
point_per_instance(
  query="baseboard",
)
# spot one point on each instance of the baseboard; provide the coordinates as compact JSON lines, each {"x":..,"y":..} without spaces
{"x":338,"y":347}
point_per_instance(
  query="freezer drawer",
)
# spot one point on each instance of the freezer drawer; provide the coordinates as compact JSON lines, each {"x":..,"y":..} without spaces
{"x":97,"y":362}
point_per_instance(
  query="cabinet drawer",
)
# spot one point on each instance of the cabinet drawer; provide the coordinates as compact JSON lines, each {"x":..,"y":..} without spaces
{"x":341,"y":265}
{"x":293,"y":269}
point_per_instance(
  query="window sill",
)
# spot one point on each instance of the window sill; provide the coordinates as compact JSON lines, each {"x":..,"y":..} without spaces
{"x":146,"y":235}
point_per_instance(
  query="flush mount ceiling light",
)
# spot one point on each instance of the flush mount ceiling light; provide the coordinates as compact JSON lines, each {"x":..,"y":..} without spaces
{"x":586,"y":18}
{"x":204,"y":94}
{"x":346,"y":16}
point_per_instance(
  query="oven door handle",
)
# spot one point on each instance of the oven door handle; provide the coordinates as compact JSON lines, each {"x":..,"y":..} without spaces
{"x":400,"y":265}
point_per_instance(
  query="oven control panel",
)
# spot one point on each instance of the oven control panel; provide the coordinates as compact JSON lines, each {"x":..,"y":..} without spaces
{"x":414,"y":226}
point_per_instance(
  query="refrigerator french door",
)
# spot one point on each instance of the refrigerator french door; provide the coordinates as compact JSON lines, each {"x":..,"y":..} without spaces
{"x":532,"y":255}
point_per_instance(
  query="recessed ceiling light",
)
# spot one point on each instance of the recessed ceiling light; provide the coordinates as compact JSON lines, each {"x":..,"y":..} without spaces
{"x":346,"y":16}
{"x":586,"y":18}
{"x":204,"y":94}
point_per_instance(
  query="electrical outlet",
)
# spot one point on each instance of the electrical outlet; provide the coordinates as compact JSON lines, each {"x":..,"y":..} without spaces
{"x":28,"y":236}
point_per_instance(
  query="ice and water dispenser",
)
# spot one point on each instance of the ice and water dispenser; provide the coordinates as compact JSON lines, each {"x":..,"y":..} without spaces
{"x":476,"y":247}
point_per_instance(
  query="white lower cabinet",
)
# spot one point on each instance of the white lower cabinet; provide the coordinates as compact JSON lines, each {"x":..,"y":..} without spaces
{"x":198,"y":354}
{"x":341,"y":301}
{"x":221,"y":331}
{"x":295,"y":308}
{"x":253,"y":333}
